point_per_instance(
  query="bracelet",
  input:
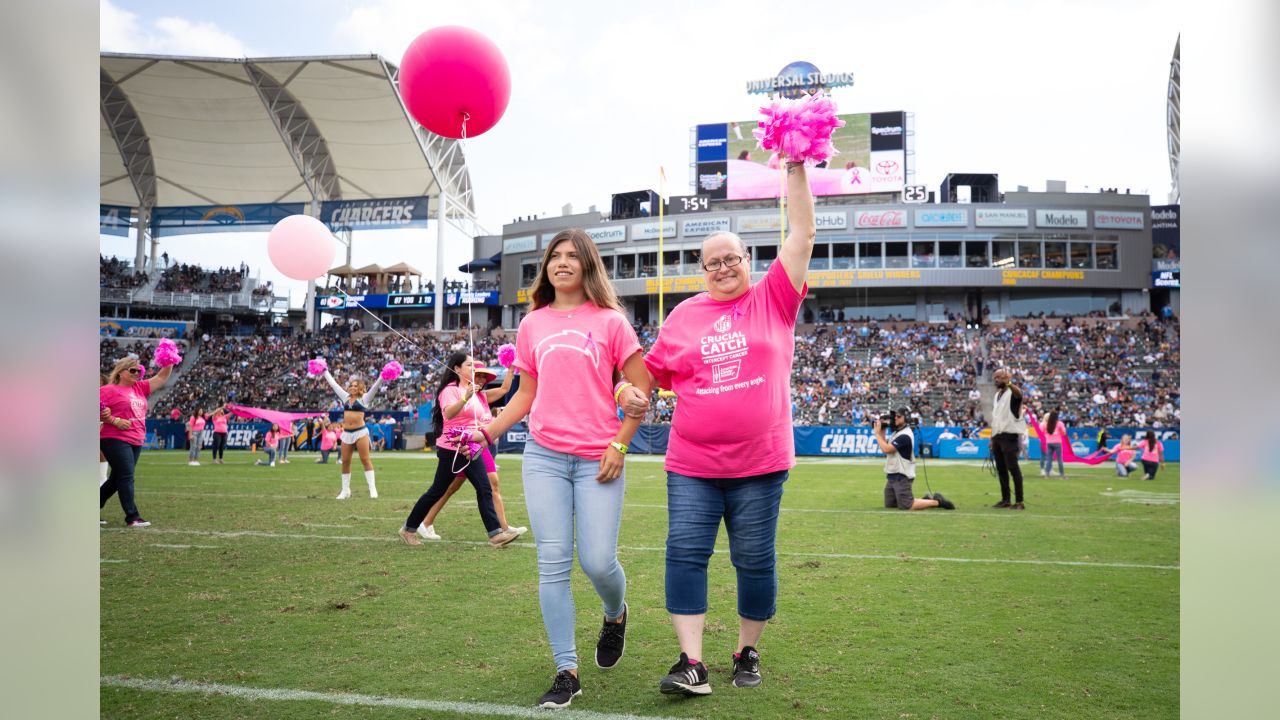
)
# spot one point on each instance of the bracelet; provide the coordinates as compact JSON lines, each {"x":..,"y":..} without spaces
{"x":617,"y":391}
{"x":487,"y":439}
{"x":620,"y":447}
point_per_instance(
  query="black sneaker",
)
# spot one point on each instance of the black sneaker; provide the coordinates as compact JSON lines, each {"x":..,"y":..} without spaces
{"x":1002,"y":504}
{"x":944,"y":503}
{"x":686,"y":678}
{"x":746,"y":666}
{"x":1018,"y":506}
{"x":563,"y":690}
{"x":612,"y":642}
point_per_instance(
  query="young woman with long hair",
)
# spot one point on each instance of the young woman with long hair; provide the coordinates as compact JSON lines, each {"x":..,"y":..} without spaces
{"x":1055,"y":435}
{"x":569,"y":347}
{"x":356,"y":400}
{"x":1152,"y":455}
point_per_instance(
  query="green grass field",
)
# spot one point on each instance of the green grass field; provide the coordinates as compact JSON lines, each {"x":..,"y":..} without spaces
{"x":254,"y":581}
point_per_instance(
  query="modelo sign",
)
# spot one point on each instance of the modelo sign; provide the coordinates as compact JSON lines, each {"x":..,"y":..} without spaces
{"x":1062,"y":218}
{"x":880,"y":219}
{"x":1116,"y":220}
{"x":941,"y":218}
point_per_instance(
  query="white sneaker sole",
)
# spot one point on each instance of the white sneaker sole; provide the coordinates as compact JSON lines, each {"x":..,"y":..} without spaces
{"x":676,"y":688}
{"x":564,"y":704}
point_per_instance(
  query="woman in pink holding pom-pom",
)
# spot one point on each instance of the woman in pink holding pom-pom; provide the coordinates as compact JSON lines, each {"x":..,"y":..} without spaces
{"x":123,"y":430}
{"x":356,"y":401}
{"x":727,"y":354}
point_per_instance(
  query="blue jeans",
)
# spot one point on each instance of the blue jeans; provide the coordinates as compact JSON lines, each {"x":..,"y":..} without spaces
{"x":1124,"y":470}
{"x":749,"y":507}
{"x":123,"y":458}
{"x":1054,"y":450}
{"x":561,"y":492}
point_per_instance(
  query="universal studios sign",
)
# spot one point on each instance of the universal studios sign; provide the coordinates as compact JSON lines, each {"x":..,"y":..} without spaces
{"x":799,"y":77}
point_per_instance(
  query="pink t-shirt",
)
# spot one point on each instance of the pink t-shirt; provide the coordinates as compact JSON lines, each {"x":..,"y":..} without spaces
{"x":219,"y":423}
{"x":1149,"y":455}
{"x":1124,"y":455}
{"x":196,"y":424}
{"x":1058,"y":436}
{"x":572,"y":355}
{"x":328,"y":439}
{"x":271,"y":440}
{"x":729,"y":363}
{"x":474,"y":414}
{"x":126,"y":403}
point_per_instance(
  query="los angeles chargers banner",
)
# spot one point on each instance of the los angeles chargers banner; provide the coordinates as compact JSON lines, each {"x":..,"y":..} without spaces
{"x":380,"y":214}
{"x":220,"y":218}
{"x":114,"y":220}
{"x":405,"y":300}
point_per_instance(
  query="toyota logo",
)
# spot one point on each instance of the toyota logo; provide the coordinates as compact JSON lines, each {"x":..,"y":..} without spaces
{"x":887,"y":167}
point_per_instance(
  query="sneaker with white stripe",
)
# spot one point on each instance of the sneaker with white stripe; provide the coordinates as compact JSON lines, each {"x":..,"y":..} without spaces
{"x":686,"y":678}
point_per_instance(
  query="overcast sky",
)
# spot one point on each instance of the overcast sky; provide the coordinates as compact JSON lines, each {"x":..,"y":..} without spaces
{"x":603,"y":94}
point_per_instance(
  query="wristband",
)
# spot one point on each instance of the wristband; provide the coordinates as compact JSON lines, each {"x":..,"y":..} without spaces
{"x":487,"y":439}
{"x":620,"y":447}
{"x":617,"y":390}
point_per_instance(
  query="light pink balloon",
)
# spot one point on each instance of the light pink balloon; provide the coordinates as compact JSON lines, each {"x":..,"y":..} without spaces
{"x":301,"y":247}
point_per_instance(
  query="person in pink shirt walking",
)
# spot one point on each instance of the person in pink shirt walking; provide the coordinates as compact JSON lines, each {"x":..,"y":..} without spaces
{"x":569,"y":347}
{"x":1152,"y":455}
{"x":458,"y":407}
{"x":221,"y":421}
{"x":727,"y":354}
{"x":121,"y":437}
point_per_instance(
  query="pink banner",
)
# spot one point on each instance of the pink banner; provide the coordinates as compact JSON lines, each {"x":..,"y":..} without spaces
{"x":1068,"y":455}
{"x":283,"y":419}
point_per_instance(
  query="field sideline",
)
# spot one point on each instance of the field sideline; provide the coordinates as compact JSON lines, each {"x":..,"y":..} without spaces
{"x":256,"y":594}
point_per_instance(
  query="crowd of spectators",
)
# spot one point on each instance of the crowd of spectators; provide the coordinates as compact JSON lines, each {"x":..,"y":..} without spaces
{"x":184,"y":278}
{"x":116,"y":273}
{"x":1100,"y":372}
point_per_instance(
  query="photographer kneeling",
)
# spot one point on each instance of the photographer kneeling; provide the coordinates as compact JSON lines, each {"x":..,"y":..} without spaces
{"x":900,"y":466}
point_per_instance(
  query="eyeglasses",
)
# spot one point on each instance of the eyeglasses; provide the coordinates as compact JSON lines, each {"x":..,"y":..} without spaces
{"x":730,"y":261}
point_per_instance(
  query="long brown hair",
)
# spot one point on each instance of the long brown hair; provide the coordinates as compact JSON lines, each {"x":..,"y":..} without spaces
{"x":1052,"y":424}
{"x":1151,"y":440}
{"x":595,"y":281}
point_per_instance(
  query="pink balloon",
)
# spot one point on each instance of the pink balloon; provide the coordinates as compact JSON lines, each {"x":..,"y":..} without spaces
{"x":453,"y":73}
{"x":301,"y":247}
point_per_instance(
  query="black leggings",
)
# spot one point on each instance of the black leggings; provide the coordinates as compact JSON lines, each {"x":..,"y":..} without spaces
{"x":1150,"y":468}
{"x":219,"y":445}
{"x":123,"y":458}
{"x":444,"y":478}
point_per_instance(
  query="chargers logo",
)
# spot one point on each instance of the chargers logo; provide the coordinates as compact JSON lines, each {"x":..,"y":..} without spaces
{"x":226,"y":215}
{"x":575,"y":340}
{"x":967,"y":448}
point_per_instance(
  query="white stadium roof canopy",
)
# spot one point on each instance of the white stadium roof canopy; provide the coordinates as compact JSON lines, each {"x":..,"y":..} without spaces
{"x":180,"y":131}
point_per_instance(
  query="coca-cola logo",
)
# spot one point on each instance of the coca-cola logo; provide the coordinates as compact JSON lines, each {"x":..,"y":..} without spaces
{"x":882,"y":218}
{"x":887,"y":167}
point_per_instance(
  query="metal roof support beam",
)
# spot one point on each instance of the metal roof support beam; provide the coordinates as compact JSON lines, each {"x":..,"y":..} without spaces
{"x":135,"y":151}
{"x":300,"y":134}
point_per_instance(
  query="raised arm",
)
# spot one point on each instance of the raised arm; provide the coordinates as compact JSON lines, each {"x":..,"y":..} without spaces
{"x":367,"y":398}
{"x":161,"y":378}
{"x":496,"y":394}
{"x":797,"y":249}
{"x":343,"y":395}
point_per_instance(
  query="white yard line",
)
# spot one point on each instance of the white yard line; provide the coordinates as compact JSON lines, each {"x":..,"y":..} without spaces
{"x":241,"y":692}
{"x":236,"y":534}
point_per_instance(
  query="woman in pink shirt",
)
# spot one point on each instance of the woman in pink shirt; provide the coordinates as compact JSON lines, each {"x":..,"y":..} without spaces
{"x":458,"y":406}
{"x":727,"y":354}
{"x":220,"y":425}
{"x":328,"y":441}
{"x":570,"y":345}
{"x":195,"y":428}
{"x":1152,"y":455}
{"x":1055,"y":434}
{"x":120,"y":438}
{"x":483,"y":376}
{"x":270,"y":443}
{"x":1124,"y":452}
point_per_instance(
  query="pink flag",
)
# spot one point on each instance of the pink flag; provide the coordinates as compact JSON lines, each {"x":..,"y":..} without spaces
{"x":1068,"y":455}
{"x":279,"y":417}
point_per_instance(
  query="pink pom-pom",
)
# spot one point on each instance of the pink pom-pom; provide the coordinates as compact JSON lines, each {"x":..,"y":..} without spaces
{"x":317,"y":366}
{"x":800,"y":129}
{"x":166,"y":354}
{"x":392,"y":370}
{"x":506,"y":355}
